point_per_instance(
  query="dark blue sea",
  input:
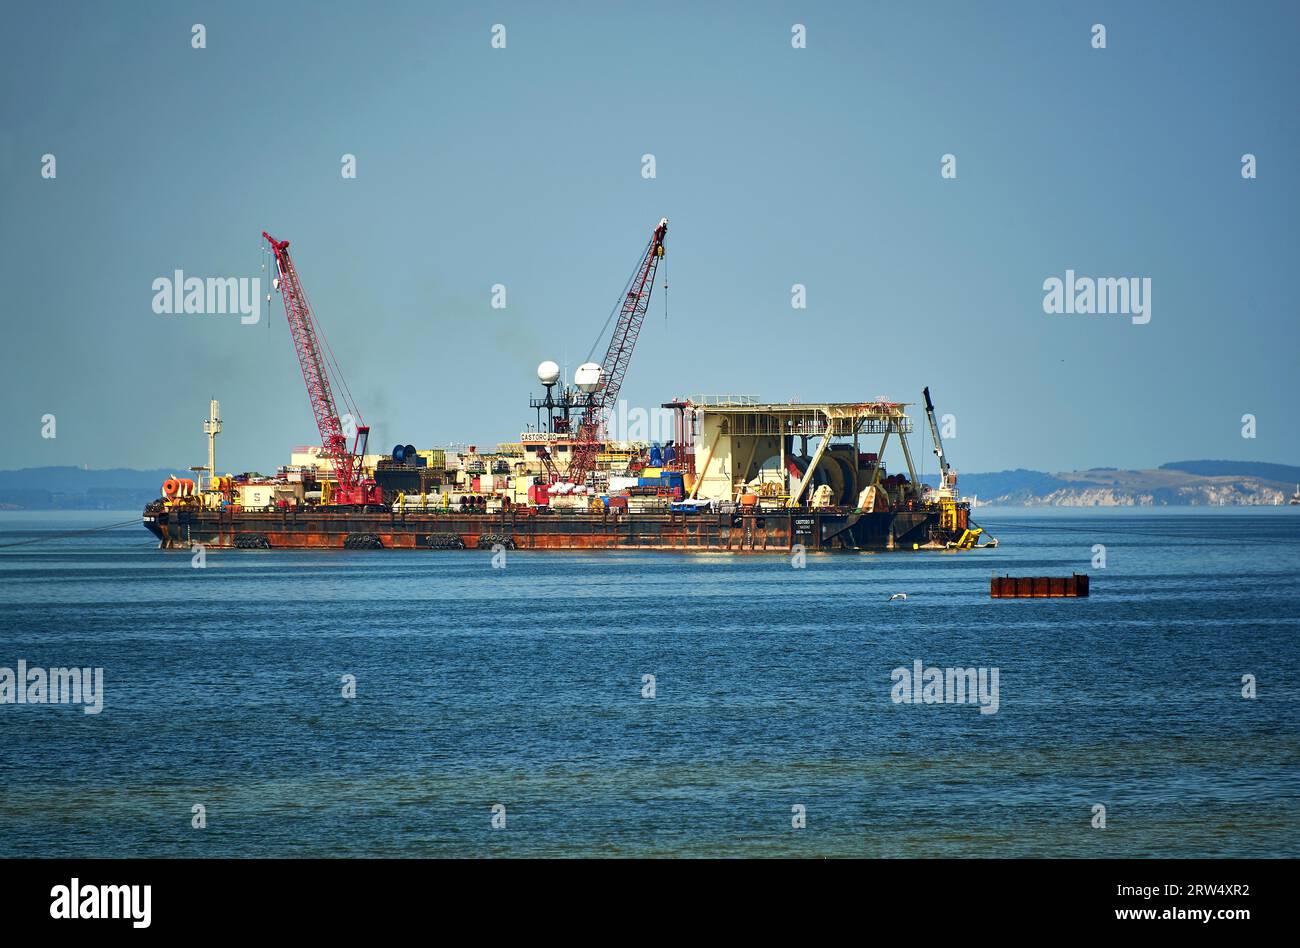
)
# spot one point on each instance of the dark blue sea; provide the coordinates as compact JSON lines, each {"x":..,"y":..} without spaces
{"x":523,"y":687}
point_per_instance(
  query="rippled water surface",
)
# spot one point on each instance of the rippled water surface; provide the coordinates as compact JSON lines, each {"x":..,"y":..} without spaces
{"x":523,"y":686}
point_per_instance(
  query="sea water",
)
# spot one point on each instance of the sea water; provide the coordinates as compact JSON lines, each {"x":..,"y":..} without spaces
{"x":422,"y":703}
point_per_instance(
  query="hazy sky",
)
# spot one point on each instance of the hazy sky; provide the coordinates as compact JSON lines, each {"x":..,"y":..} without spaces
{"x":775,"y":166}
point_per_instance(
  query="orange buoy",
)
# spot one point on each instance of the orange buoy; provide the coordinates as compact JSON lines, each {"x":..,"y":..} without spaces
{"x":170,"y":487}
{"x":748,"y":500}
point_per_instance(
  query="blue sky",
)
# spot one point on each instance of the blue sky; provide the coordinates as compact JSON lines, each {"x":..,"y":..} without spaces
{"x":775,"y":166}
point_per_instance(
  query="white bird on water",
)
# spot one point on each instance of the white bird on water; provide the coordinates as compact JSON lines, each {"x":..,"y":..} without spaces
{"x":902,"y":596}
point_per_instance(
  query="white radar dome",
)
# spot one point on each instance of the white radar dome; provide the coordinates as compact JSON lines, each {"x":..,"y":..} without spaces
{"x":548,"y":372}
{"x":587,"y":378}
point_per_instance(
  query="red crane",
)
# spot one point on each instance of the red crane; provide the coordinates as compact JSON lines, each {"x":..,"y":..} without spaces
{"x":635,"y":302}
{"x":351,"y":487}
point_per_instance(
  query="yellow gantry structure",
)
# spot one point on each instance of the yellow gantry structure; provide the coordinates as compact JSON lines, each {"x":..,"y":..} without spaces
{"x":737,"y":436}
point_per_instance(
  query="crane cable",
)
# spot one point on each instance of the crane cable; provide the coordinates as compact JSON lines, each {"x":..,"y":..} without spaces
{"x":270,"y":285}
{"x":72,"y":533}
{"x":925,"y":441}
{"x":665,"y":266}
{"x":618,"y":306}
{"x":333,"y":372}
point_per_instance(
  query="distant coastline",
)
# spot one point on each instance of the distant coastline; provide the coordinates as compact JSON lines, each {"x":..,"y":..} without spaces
{"x":76,"y":488}
{"x":1177,"y":484}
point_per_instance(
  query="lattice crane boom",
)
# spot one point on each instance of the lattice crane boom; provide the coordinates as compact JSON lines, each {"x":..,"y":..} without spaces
{"x":351,"y":487}
{"x":635,"y":303}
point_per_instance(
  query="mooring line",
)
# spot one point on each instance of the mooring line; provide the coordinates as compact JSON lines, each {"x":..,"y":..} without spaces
{"x":73,"y":533}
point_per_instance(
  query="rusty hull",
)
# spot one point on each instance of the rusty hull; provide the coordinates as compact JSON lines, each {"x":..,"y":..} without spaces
{"x":529,"y":529}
